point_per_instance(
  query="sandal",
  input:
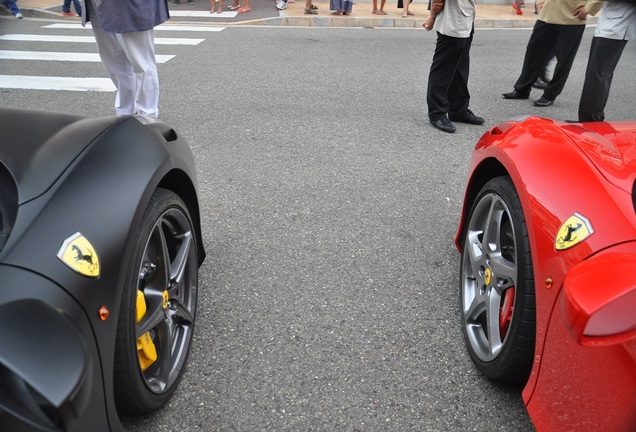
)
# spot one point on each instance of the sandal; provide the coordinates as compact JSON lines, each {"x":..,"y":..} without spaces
{"x":241,"y":10}
{"x":310,"y":12}
{"x":314,"y":7}
{"x":233,"y":7}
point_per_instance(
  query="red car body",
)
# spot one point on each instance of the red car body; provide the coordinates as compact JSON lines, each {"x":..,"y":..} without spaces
{"x":583,"y":376}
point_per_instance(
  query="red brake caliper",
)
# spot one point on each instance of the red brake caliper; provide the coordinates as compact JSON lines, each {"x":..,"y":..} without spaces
{"x":505,"y":313}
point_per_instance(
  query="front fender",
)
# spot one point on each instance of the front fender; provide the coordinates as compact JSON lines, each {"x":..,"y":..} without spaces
{"x":102,"y":195}
{"x":554,"y":180}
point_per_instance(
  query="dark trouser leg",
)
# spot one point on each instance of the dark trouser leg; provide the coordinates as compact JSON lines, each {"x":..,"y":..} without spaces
{"x":449,"y":52}
{"x":568,"y":41}
{"x":458,"y":94}
{"x":538,"y":52}
{"x":604,"y":56}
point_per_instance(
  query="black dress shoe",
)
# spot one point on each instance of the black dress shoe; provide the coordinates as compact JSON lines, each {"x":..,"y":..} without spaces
{"x":467,"y":117}
{"x":543,"y":102}
{"x":516,"y":95}
{"x":444,"y":125}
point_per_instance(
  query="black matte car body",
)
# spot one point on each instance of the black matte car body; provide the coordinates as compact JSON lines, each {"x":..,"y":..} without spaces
{"x":64,"y":177}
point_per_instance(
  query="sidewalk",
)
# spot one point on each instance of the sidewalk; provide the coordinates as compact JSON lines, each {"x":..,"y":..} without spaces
{"x":264,"y":13}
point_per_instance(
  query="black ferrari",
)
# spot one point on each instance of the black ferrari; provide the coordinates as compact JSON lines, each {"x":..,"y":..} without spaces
{"x":100,"y":246}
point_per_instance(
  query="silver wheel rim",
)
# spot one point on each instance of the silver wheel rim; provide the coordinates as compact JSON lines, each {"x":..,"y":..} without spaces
{"x":488,"y":274}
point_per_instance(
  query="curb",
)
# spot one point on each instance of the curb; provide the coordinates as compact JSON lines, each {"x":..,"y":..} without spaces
{"x":285,"y":20}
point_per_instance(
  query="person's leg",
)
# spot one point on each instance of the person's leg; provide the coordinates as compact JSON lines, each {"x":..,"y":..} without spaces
{"x":140,"y":50}
{"x":78,"y":7}
{"x":66,"y":6}
{"x":246,"y":6}
{"x":13,"y":7}
{"x":448,"y":51}
{"x":309,"y":8}
{"x":406,"y":12}
{"x":538,"y":50}
{"x":116,"y":64}
{"x":382,"y":3}
{"x":458,"y":94}
{"x":604,"y":56}
{"x":567,"y":45}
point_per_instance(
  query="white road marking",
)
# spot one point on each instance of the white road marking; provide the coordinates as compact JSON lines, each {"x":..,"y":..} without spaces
{"x":56,"y":83}
{"x":168,"y":27}
{"x":61,"y":56}
{"x":89,"y":39}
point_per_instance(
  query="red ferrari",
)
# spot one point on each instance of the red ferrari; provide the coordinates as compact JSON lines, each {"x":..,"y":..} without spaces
{"x":548,"y":269}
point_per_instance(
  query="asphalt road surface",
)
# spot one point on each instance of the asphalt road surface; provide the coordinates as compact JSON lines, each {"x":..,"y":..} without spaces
{"x":329,"y":298}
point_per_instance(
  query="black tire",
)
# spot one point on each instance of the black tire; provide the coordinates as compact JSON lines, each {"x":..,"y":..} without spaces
{"x":167,"y":289}
{"x":497,"y":285}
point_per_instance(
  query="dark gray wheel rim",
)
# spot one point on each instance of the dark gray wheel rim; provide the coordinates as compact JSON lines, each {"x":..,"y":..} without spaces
{"x":168,"y":281}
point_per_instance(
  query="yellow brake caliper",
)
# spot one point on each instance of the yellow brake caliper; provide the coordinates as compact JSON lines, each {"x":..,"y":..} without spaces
{"x":145,"y":346}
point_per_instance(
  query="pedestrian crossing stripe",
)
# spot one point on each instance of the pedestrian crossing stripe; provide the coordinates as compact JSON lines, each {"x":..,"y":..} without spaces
{"x":62,"y":56}
{"x":56,"y":83}
{"x":89,"y":39}
{"x":167,"y":27}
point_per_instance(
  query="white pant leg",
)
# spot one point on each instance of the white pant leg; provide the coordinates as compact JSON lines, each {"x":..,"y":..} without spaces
{"x":116,"y":64}
{"x":140,"y":50}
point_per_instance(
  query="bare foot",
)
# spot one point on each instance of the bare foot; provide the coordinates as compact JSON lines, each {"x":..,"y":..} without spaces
{"x":382,"y":12}
{"x":376,"y":12}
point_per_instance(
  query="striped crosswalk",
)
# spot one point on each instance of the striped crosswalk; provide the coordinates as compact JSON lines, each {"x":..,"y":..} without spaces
{"x":61,"y":56}
{"x":49,"y":39}
{"x":89,"y":39}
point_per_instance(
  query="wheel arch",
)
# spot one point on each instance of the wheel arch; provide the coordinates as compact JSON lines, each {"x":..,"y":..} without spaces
{"x":180,"y":183}
{"x":487,"y":170}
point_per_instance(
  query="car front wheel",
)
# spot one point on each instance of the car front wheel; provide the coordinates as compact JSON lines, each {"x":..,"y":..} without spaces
{"x":158,"y":307}
{"x":497,"y":285}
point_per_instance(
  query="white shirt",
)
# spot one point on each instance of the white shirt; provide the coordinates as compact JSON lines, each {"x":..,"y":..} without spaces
{"x":617,"y":21}
{"x":456,"y":18}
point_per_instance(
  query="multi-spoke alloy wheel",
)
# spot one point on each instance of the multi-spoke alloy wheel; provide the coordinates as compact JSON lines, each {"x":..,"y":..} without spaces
{"x":497,"y":285}
{"x":158,"y":308}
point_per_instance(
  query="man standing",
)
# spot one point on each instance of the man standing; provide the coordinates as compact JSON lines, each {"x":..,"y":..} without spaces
{"x":616,"y":26}
{"x":559,"y":30}
{"x":125,"y":41}
{"x":447,"y":96}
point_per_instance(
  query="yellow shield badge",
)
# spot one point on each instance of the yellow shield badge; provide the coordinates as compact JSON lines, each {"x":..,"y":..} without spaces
{"x":77,"y":253}
{"x":573,"y":231}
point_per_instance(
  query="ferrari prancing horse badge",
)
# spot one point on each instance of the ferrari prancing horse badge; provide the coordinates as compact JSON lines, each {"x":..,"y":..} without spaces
{"x":77,"y":253}
{"x":573,"y":231}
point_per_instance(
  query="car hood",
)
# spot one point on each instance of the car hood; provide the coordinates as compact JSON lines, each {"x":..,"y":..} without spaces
{"x":36,"y":147}
{"x":611,"y":147}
